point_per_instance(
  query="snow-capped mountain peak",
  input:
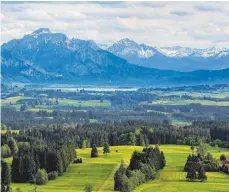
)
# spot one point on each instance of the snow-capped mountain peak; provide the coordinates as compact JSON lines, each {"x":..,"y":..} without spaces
{"x":41,"y":31}
{"x":181,"y":52}
{"x":127,"y":42}
{"x":129,"y":48}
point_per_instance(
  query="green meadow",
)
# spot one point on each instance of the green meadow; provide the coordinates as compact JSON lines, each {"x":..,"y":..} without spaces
{"x":99,"y":173}
{"x":87,"y":103}
{"x":172,"y":177}
{"x":12,"y":131}
{"x":187,"y":102}
{"x":13,"y":100}
{"x":214,"y":94}
{"x":62,"y":102}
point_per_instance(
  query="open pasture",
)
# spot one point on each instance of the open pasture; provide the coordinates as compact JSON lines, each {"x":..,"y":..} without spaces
{"x":86,"y":103}
{"x":100,"y":171}
{"x":13,"y":100}
{"x":172,"y":177}
{"x":12,"y":131}
{"x":187,"y":102}
{"x":213,"y":94}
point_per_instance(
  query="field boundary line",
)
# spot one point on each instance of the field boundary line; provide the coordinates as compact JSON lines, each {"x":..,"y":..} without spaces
{"x":108,"y":178}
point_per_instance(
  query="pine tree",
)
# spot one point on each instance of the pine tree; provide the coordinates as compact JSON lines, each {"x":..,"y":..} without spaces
{"x":106,"y":148}
{"x":163,"y":161}
{"x":3,"y":189}
{"x":201,"y":174}
{"x":120,"y":177}
{"x":141,"y":140}
{"x":13,"y":145}
{"x":223,"y":157}
{"x":88,"y":188}
{"x":191,"y":175}
{"x":15,"y":169}
{"x":94,"y":151}
{"x":6,"y":173}
{"x":192,"y":148}
{"x":59,"y":167}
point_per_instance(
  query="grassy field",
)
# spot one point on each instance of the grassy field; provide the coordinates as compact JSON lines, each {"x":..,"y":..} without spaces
{"x":50,"y":108}
{"x":100,"y":171}
{"x":214,"y":94}
{"x":13,"y":100}
{"x":172,"y":178}
{"x":186,"y":102}
{"x":37,"y":109}
{"x":179,"y":122}
{"x":62,"y":102}
{"x":161,"y":112}
{"x":88,"y":103}
{"x":12,"y":131}
{"x":174,"y":121}
{"x":93,"y":121}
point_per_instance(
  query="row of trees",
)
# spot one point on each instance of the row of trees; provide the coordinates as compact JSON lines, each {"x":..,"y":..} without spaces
{"x":142,"y":168}
{"x":127,"y":133}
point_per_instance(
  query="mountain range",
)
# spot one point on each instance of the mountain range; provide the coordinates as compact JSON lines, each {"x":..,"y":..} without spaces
{"x":46,"y":57}
{"x":172,"y":58}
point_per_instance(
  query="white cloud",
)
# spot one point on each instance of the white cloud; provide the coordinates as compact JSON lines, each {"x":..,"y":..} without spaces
{"x":191,"y":24}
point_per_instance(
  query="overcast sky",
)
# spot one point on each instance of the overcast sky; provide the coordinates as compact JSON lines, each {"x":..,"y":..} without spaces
{"x":190,"y":24}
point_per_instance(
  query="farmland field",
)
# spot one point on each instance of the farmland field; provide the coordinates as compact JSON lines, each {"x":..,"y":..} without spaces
{"x":12,"y":131}
{"x":186,"y":102}
{"x":88,"y":103}
{"x":215,"y":94}
{"x":100,"y":171}
{"x":14,"y":99}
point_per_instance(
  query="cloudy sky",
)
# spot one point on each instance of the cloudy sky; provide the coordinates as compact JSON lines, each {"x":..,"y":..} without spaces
{"x":190,"y":24}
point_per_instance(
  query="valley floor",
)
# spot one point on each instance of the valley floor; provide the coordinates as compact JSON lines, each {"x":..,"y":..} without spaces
{"x":99,"y":172}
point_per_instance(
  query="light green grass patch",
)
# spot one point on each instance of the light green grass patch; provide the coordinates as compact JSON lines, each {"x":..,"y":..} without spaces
{"x":13,"y":100}
{"x":179,"y":122}
{"x":12,"y":131}
{"x":93,"y":121}
{"x":213,"y":94}
{"x":86,"y":103}
{"x":166,"y":113}
{"x":187,"y":102}
{"x":40,"y":109}
{"x":8,"y":160}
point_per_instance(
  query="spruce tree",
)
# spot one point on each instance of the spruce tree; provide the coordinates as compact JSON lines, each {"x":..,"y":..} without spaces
{"x":88,"y":188}
{"x":120,"y":177}
{"x":191,"y":175}
{"x":106,"y":148}
{"x":223,"y":157}
{"x":163,"y":161}
{"x":192,"y":148}
{"x":94,"y":151}
{"x":6,"y":173}
{"x":202,"y":175}
{"x":13,"y":145}
{"x":3,"y":189}
{"x":59,"y":165}
{"x":15,"y":169}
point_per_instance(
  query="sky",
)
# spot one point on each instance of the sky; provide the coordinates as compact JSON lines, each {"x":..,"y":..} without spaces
{"x":160,"y":24}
